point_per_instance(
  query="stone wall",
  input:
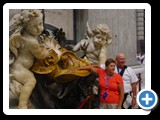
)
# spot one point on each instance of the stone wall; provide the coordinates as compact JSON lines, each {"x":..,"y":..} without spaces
{"x":123,"y":27}
{"x":140,"y":15}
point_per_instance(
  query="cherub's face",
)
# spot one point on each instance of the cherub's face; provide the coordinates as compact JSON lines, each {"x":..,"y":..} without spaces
{"x":35,"y":26}
{"x":99,"y":40}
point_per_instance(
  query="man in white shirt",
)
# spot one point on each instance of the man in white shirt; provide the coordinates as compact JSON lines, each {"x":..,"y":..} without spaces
{"x":129,"y":77}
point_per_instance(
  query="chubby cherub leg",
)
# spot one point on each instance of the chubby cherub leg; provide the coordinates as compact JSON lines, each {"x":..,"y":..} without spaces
{"x":28,"y":80}
{"x":25,"y":93}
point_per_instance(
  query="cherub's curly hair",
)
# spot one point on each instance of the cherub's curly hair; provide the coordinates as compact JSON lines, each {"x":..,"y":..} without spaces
{"x":18,"y":21}
{"x":27,"y":14}
{"x":102,"y":29}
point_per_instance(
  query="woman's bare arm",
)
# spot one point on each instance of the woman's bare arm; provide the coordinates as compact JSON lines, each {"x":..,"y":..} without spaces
{"x":121,"y":90}
{"x":93,"y":68}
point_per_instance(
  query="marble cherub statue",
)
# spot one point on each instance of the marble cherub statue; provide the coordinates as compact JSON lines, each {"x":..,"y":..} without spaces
{"x":36,"y":52}
{"x":95,"y":43}
{"x":24,"y":45}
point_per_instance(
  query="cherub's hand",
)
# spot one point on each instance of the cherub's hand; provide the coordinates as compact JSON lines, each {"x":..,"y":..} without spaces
{"x":52,"y":57}
{"x":85,"y":46}
{"x":50,"y":60}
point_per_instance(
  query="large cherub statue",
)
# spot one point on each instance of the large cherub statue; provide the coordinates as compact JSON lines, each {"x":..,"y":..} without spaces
{"x":94,"y":45}
{"x":25,"y":47}
{"x":39,"y":53}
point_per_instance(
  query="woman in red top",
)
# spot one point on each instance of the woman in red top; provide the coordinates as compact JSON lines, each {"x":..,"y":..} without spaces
{"x":111,"y":85}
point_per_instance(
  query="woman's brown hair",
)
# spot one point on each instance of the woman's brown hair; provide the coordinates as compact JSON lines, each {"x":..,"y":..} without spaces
{"x":109,"y":61}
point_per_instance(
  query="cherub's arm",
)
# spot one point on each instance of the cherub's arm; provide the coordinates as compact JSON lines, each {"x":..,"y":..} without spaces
{"x":83,"y":44}
{"x":38,"y":51}
{"x":77,"y":47}
{"x":93,"y":68}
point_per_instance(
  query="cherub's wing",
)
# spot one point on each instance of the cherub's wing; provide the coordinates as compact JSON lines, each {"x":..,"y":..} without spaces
{"x":14,"y":23}
{"x":89,"y":31}
{"x":14,"y":32}
{"x":15,"y":43}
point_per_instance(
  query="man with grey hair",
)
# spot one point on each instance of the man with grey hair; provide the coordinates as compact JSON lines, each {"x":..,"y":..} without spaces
{"x":130,"y":81}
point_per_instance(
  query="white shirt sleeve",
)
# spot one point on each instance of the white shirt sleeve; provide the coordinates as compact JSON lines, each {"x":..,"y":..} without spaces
{"x":129,"y":77}
{"x":133,"y":77}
